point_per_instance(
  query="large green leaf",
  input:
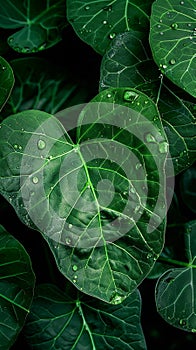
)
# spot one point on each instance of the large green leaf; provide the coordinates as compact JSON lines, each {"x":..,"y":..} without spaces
{"x":60,"y":321}
{"x":6,"y":81}
{"x":16,"y":288}
{"x":43,"y":85}
{"x":38,"y":23}
{"x":175,"y":290}
{"x":127,"y":63}
{"x":99,"y":202}
{"x":172,"y":39}
{"x":98,"y":22}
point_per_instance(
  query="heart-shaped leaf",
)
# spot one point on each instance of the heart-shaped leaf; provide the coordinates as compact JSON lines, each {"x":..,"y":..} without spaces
{"x":38,"y":24}
{"x":98,"y":22}
{"x":127,"y":63}
{"x":100,"y":202}
{"x":16,"y":288}
{"x":175,"y":290}
{"x":6,"y":81}
{"x":58,"y":320}
{"x":172,"y":40}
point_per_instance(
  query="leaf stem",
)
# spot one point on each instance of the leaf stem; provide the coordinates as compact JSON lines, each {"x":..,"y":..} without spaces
{"x":176,"y":262}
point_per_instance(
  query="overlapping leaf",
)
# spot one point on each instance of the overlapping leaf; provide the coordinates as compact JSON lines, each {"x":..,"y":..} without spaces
{"x":6,"y":81}
{"x":44,"y":86}
{"x":175,"y":290}
{"x":99,"y":202}
{"x":59,"y":321}
{"x":38,"y":23}
{"x":127,"y":63}
{"x":172,"y":39}
{"x":16,"y":288}
{"x":98,"y":22}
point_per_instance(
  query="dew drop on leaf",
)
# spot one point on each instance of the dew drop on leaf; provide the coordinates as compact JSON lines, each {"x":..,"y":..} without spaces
{"x":105,"y":22}
{"x":112,"y":35}
{"x":35,"y":180}
{"x":87,"y":8}
{"x":74,"y":267}
{"x":163,"y":147}
{"x":41,"y":144}
{"x":130,"y":96}
{"x":182,"y":322}
{"x":174,"y":26}
{"x":172,"y":61}
{"x":150,"y":138}
{"x":116,"y":299}
{"x":70,"y":225}
{"x":68,"y":241}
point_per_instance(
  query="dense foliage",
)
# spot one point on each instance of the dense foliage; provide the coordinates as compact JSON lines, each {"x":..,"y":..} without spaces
{"x":97,"y":174}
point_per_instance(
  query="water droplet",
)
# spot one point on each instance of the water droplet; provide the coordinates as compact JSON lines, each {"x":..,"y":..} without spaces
{"x":161,"y":33}
{"x":138,"y":103}
{"x":174,"y":25}
{"x":70,"y":225}
{"x":41,"y":144}
{"x":163,"y":147}
{"x":76,"y":277}
{"x":172,"y":61}
{"x":112,"y":35}
{"x":193,"y":330}
{"x":182,"y":322}
{"x":138,"y":166}
{"x":74,"y":281}
{"x":68,"y":241}
{"x":160,"y":20}
{"x":20,"y":147}
{"x":10,"y":40}
{"x":149,"y":255}
{"x":105,"y":22}
{"x":87,"y":8}
{"x":146,"y":102}
{"x":149,"y":138}
{"x":74,"y":267}
{"x":181,"y":2}
{"x":35,"y":180}
{"x":109,"y":95}
{"x":116,"y":299}
{"x":189,"y":24}
{"x":16,"y":146}
{"x":158,"y":26}
{"x":130,"y":96}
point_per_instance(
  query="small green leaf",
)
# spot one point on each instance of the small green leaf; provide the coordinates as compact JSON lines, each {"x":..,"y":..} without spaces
{"x":43,"y":85}
{"x":6,"y":81}
{"x":173,"y":38}
{"x":58,"y":321}
{"x":98,"y":22}
{"x":175,"y":290}
{"x":16,"y":288}
{"x":100,"y":203}
{"x":38,"y":24}
{"x":127,"y":63}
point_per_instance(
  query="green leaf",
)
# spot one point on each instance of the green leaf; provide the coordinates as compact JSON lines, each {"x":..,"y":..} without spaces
{"x":127,"y":63}
{"x":175,"y":290}
{"x":59,"y":321}
{"x":43,"y":85}
{"x":6,"y":81}
{"x":188,"y":189}
{"x":16,"y":288}
{"x":172,"y":39}
{"x":100,"y":202}
{"x":98,"y":22}
{"x":38,"y":24}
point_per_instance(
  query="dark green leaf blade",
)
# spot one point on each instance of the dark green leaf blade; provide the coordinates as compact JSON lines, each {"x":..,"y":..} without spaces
{"x":172,"y":40}
{"x":175,"y":290}
{"x":188,"y":188}
{"x":127,"y":63}
{"x":16,"y":288}
{"x":60,"y":321}
{"x":39,"y":24}
{"x":51,"y":186}
{"x":98,"y":22}
{"x":6,"y":81}
{"x":42,"y":85}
